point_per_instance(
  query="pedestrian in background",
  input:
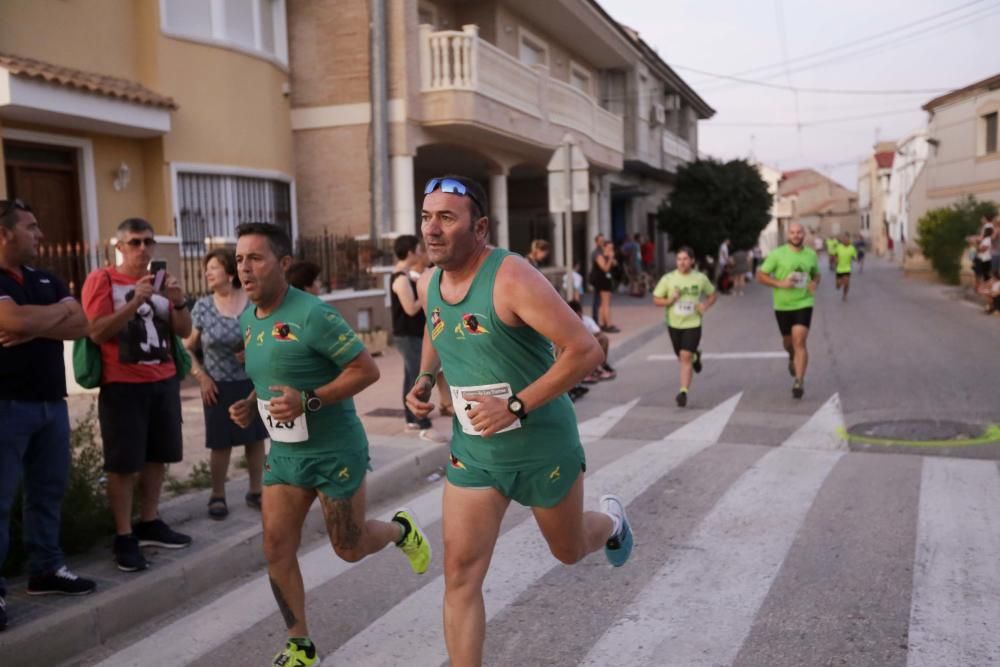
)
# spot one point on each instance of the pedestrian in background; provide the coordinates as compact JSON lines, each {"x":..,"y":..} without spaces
{"x":304,"y":275}
{"x":216,"y":332}
{"x":37,"y":313}
{"x":538,"y":255}
{"x":601,"y":270}
{"x":741,"y":267}
{"x":139,"y":407}
{"x":408,"y":323}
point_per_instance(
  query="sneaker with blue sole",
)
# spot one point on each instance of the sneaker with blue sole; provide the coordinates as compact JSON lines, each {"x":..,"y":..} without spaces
{"x":619,"y":546}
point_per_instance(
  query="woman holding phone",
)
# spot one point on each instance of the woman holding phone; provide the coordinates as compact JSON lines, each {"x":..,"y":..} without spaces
{"x":216,"y":328}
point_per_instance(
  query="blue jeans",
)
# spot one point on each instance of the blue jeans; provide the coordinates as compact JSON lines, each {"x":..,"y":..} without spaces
{"x":410,"y":347}
{"x":34,"y":438}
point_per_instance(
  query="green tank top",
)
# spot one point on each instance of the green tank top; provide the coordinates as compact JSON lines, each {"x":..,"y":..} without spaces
{"x":480,"y":355}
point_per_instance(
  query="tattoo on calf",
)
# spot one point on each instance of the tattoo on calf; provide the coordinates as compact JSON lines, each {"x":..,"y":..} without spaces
{"x":346,"y":534}
{"x":286,"y":611}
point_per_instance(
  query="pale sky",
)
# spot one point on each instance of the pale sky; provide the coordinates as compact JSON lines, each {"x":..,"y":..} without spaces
{"x":951,"y":44}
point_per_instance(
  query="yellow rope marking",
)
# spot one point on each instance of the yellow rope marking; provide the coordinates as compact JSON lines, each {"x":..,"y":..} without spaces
{"x":990,"y":435}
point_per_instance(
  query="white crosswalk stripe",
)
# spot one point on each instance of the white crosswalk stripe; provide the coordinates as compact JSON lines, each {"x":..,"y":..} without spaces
{"x":698,"y":603}
{"x":721,"y":576}
{"x":521,"y":556}
{"x":955,"y":605}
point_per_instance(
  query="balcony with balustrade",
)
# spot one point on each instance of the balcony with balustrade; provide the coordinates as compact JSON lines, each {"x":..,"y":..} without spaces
{"x":478,"y":92}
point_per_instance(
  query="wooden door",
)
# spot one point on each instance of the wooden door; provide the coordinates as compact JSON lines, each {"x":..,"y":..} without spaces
{"x":46,"y":178}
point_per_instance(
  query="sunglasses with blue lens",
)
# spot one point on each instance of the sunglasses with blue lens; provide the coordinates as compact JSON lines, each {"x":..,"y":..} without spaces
{"x":452,"y":187}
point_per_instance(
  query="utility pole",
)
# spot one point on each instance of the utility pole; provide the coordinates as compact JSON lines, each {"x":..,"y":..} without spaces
{"x":379,"y":124}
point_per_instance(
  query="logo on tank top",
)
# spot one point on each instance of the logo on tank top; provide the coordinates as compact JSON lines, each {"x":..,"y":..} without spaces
{"x":282,"y":331}
{"x":470,"y":325}
{"x":247,"y":335}
{"x":437,"y":324}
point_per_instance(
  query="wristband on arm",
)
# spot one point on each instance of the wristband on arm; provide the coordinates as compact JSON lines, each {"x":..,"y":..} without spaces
{"x":427,"y":374}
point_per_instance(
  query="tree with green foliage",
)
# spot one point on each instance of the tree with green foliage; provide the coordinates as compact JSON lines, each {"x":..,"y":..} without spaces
{"x":942,"y":234}
{"x":713,"y":201}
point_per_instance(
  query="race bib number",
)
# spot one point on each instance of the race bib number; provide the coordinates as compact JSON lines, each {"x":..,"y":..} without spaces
{"x":460,"y":399}
{"x":685,"y":308}
{"x":800,"y":279}
{"x":283,"y":431}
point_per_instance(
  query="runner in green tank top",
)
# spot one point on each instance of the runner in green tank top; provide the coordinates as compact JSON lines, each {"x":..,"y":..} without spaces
{"x":492,"y":320}
{"x":306,"y":365}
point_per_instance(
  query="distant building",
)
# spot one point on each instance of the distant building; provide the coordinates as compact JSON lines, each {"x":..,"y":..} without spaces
{"x":823,"y":206}
{"x":964,"y":153}
{"x":781,"y":210}
{"x":873,"y":190}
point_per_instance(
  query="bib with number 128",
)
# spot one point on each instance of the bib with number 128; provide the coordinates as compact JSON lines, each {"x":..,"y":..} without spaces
{"x":283,"y":431}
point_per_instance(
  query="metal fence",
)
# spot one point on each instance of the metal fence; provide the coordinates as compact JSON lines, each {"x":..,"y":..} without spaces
{"x":344,"y":262}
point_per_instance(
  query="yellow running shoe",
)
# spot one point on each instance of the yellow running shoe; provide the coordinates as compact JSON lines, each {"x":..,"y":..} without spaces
{"x":414,"y":544}
{"x":295,"y":655}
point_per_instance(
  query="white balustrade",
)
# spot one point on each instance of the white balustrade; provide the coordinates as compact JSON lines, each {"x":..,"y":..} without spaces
{"x":460,"y":60}
{"x":676,"y":147}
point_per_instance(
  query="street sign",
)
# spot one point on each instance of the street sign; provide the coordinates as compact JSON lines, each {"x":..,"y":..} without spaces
{"x":578,"y":177}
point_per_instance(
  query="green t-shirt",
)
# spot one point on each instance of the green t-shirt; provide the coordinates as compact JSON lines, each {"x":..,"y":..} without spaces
{"x":683,"y":314}
{"x":831,"y":245}
{"x":802,"y":266}
{"x":845,"y":253}
{"x":304,"y":344}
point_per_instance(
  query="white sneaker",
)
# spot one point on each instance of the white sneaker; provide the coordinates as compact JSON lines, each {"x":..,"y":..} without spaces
{"x":430,"y":435}
{"x":412,"y":426}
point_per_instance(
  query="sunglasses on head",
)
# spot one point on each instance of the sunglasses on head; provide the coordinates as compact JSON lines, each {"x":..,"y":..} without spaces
{"x":8,"y":205}
{"x":135,"y":243}
{"x":452,"y":187}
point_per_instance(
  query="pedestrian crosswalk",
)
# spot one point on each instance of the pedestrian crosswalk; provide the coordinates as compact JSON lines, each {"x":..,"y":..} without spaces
{"x":712,"y":564}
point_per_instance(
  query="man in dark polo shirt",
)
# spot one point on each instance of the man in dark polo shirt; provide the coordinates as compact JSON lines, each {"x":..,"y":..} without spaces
{"x":37,"y":313}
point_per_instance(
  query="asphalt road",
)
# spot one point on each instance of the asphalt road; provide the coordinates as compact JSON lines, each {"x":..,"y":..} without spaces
{"x":764,"y":535}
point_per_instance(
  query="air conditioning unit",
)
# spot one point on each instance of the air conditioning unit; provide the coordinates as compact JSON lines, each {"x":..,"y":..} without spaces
{"x":658,"y":114}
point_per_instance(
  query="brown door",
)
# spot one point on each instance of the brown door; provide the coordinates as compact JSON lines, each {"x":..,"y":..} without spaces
{"x":46,"y":178}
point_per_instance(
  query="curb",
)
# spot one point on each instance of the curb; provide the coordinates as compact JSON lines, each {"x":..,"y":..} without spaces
{"x":90,"y":621}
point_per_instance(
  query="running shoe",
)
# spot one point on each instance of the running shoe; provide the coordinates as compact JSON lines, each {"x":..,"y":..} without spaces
{"x":430,"y":435}
{"x":60,"y":582}
{"x":157,"y":533}
{"x":619,"y":546}
{"x":696,"y":365}
{"x":297,"y":654}
{"x":128,"y":556}
{"x":682,"y":399}
{"x":606,"y":368}
{"x":797,"y":389}
{"x":413,"y":543}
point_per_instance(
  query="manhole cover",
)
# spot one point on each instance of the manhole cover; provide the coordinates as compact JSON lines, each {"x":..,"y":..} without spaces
{"x":924,"y":432}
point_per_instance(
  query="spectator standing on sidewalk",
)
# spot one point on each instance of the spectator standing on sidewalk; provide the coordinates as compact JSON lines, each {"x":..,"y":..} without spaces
{"x":648,"y":250}
{"x":37,"y":313}
{"x":307,"y":365}
{"x":216,"y":331}
{"x":408,"y":323}
{"x":139,"y":407}
{"x":598,"y":250}
{"x":604,"y":263}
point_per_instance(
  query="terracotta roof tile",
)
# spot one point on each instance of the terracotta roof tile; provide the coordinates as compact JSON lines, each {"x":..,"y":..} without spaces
{"x":884,"y":160}
{"x":123,"y":89}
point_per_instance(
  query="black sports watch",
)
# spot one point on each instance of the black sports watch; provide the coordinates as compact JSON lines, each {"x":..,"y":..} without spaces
{"x":313,"y":402}
{"x":516,"y":407}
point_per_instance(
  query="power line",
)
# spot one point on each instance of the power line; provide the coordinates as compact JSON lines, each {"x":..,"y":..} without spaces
{"x":946,"y":26}
{"x":824,"y":91}
{"x":814,"y":123}
{"x":853,"y":42}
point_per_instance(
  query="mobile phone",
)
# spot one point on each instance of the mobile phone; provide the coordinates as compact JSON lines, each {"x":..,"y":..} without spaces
{"x":158,"y":268}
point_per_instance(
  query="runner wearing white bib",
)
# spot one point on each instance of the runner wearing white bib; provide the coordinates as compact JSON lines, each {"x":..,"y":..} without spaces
{"x":687,"y":294}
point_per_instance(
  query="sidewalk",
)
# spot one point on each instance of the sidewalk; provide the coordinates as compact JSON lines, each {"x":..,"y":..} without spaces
{"x":54,"y":629}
